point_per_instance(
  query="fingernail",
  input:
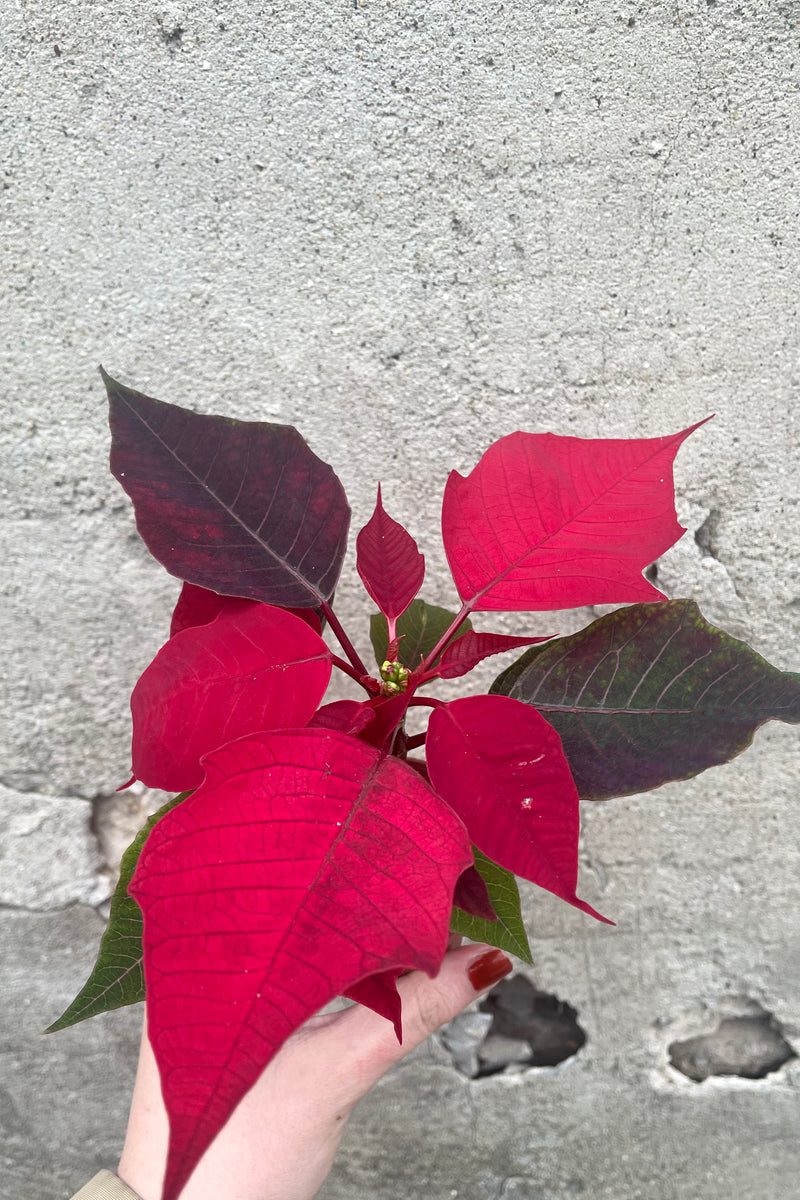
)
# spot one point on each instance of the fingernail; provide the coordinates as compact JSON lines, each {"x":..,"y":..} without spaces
{"x":485,"y":970}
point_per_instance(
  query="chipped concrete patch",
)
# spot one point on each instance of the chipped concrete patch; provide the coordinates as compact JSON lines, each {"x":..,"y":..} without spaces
{"x":732,"y":1042}
{"x":116,"y":819}
{"x":48,"y":856}
{"x":750,"y":1047}
{"x":517,"y":1028}
{"x":692,"y":570}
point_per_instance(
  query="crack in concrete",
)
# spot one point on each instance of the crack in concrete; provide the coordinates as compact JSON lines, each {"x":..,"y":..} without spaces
{"x":473,"y":1111}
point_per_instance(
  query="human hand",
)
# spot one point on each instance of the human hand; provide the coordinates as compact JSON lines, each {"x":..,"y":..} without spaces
{"x":281,"y":1141}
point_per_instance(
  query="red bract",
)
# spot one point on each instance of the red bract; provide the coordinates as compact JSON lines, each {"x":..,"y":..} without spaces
{"x":556,"y":522}
{"x":387,"y":716}
{"x":282,"y":882}
{"x":471,"y":648}
{"x":199,"y":606}
{"x":346,"y":716}
{"x":389,"y":563}
{"x":500,"y":766}
{"x":250,"y":669}
{"x":311,"y":861}
{"x":379,"y":992}
{"x":472,"y":895}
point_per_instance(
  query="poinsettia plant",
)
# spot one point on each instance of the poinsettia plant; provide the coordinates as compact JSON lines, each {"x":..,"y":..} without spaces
{"x":321,"y":849}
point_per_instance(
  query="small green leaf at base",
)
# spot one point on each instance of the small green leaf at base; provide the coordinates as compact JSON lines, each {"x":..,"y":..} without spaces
{"x":117,"y":978}
{"x":507,"y":932}
{"x":419,"y":629}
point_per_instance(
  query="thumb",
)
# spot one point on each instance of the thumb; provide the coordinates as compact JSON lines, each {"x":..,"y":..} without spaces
{"x":427,"y":1004}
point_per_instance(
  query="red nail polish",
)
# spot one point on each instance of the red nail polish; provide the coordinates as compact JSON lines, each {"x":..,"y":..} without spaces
{"x":485,"y":970}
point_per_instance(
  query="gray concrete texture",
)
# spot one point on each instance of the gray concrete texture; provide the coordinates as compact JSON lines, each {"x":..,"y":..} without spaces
{"x":410,"y":229}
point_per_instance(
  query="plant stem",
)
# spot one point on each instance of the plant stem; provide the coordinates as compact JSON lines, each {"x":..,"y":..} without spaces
{"x":464,"y":611}
{"x":343,"y":639}
{"x":417,"y":740}
{"x":353,"y":673}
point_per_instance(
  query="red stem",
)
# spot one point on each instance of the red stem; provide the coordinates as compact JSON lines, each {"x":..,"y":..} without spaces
{"x":445,"y":638}
{"x":348,"y":670}
{"x":417,"y":740}
{"x":344,"y":640}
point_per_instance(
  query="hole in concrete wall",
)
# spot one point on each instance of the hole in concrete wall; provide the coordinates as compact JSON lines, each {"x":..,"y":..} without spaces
{"x":116,"y":819}
{"x":706,"y":535}
{"x":750,"y":1046}
{"x":517,"y":1027}
{"x":172,"y":36}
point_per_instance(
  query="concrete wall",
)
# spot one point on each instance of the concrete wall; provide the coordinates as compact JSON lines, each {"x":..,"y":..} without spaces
{"x":409,"y":229}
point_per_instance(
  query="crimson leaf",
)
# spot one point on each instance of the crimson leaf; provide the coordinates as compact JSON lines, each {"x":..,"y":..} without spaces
{"x":346,"y":716}
{"x":648,"y":694}
{"x":500,"y":766}
{"x":472,"y":895}
{"x":389,"y":563}
{"x":251,"y":669}
{"x":304,"y":863}
{"x":379,"y":992}
{"x":117,"y":978}
{"x":373,"y":721}
{"x":388,"y":714}
{"x":244,"y":508}
{"x":547,"y":522}
{"x":471,"y":648}
{"x":199,"y":606}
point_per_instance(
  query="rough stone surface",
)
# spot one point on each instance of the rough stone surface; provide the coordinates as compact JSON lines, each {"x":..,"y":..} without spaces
{"x":48,"y":856}
{"x":63,"y":1099}
{"x":116,"y":819}
{"x":409,"y":230}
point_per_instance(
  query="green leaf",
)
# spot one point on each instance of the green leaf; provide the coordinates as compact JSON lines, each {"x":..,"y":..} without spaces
{"x":421,"y":627}
{"x":117,"y":977}
{"x":507,"y":932}
{"x":649,"y":694}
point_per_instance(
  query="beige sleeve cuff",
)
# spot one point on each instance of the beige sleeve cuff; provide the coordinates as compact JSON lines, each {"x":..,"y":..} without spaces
{"x":105,"y":1186}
